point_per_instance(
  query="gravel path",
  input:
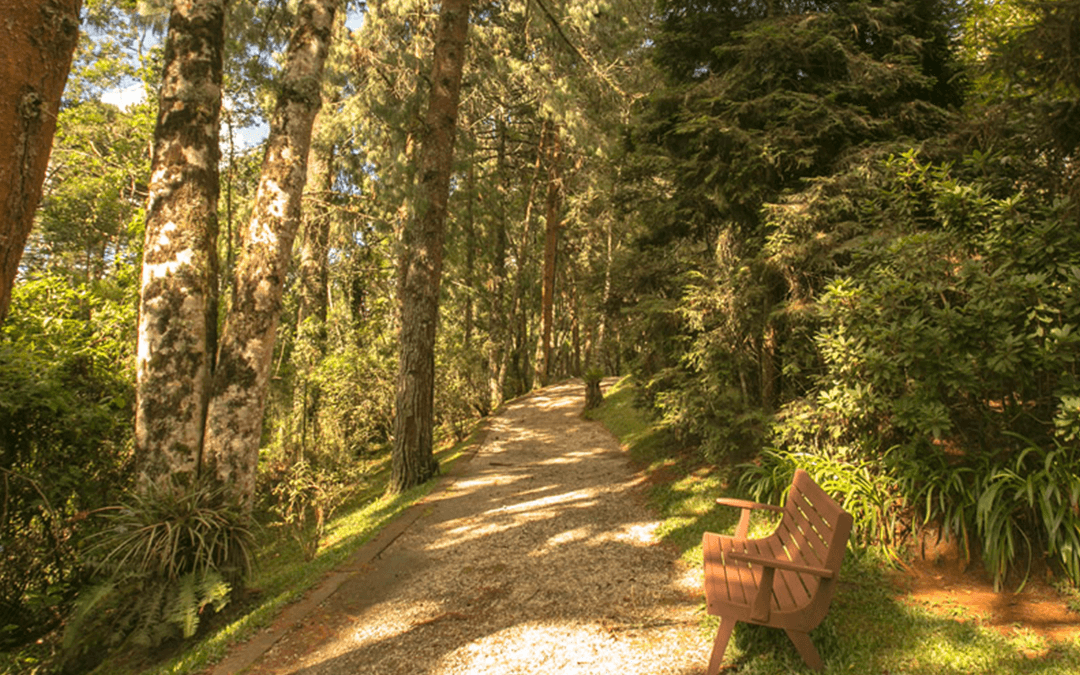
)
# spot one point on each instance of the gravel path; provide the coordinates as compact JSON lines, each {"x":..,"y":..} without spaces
{"x":540,"y":557}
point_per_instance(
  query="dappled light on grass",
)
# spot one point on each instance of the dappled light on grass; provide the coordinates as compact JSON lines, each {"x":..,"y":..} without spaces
{"x":871,"y":627}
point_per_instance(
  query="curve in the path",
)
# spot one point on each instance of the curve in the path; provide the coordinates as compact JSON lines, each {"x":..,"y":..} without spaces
{"x":539,"y":558}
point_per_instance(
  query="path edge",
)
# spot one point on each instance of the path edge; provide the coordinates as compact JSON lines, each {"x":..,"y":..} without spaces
{"x":243,"y":655}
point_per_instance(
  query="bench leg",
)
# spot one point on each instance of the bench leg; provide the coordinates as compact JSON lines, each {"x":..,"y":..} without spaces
{"x":723,"y":634}
{"x":806,"y":649}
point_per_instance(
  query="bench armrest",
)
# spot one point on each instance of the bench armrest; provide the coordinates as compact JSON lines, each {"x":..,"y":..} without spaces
{"x":785,"y":565}
{"x":744,"y":518}
{"x":746,"y":504}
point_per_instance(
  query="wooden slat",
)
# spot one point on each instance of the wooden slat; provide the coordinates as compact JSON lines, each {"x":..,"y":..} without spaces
{"x":795,"y":539}
{"x":745,"y":578}
{"x":782,"y":589}
{"x":808,"y":539}
{"x":813,"y":515}
{"x":810,"y":514}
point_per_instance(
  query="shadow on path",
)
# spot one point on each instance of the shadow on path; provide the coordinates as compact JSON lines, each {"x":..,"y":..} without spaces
{"x":540,"y":557}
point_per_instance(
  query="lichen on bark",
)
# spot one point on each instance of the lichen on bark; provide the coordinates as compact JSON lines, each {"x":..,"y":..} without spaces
{"x":178,"y":294}
{"x":235,"y":411}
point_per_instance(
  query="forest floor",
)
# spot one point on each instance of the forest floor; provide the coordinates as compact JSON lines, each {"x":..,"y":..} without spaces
{"x":942,"y":582}
{"x":539,"y":557}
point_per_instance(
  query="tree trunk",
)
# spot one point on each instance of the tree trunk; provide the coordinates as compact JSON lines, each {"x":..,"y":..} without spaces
{"x":602,"y":331}
{"x":178,"y":295}
{"x":499,"y":321}
{"x":313,"y":281}
{"x":314,"y":273}
{"x":551,"y":244}
{"x":420,"y":257}
{"x":469,"y":228}
{"x":517,"y":339}
{"x":235,"y":414}
{"x":39,"y":38}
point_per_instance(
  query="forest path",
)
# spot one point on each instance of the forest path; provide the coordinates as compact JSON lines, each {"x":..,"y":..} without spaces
{"x":538,"y":557}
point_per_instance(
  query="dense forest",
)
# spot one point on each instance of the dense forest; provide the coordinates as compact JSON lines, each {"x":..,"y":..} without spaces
{"x":837,"y":235}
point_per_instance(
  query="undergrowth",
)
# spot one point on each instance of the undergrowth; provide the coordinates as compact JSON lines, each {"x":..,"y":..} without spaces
{"x":869,"y":628}
{"x":286,"y":572}
{"x":284,"y":569}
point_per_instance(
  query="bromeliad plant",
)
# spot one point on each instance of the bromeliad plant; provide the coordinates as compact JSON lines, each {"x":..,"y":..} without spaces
{"x":162,"y":559}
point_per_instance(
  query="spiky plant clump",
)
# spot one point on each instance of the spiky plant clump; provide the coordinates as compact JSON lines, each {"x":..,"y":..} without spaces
{"x":163,"y":557}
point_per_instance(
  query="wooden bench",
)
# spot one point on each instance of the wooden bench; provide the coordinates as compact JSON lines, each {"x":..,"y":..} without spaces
{"x":785,"y":580}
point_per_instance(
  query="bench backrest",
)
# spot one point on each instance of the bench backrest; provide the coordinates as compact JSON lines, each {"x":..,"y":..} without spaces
{"x":815,"y":529}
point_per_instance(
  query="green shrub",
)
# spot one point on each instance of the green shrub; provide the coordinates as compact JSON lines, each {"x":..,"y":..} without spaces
{"x":861,"y":487}
{"x":161,"y":559}
{"x":1014,"y":508}
{"x":66,"y":401}
{"x":1034,"y":499}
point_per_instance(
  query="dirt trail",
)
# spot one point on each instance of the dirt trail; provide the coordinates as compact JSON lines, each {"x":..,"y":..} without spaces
{"x":540,"y":557}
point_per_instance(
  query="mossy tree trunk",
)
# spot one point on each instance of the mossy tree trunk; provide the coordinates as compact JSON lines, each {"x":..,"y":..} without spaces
{"x":241,"y":378}
{"x":178,"y":295}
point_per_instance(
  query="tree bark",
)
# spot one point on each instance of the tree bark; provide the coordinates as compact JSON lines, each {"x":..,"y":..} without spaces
{"x":314,"y":279}
{"x":517,"y":337}
{"x":235,"y":413}
{"x":420,"y":257}
{"x":553,"y":208}
{"x":314,"y":274}
{"x":178,"y":296}
{"x":39,"y":38}
{"x":499,"y":321}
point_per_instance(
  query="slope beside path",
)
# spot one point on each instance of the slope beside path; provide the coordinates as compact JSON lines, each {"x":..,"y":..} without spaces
{"x":538,"y":557}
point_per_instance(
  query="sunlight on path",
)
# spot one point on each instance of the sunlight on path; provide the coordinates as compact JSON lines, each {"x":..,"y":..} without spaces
{"x":540,"y":558}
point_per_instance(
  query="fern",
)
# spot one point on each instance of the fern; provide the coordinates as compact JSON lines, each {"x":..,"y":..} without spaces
{"x":185,"y":607}
{"x":88,"y":603}
{"x":213,"y":590}
{"x":148,"y":610}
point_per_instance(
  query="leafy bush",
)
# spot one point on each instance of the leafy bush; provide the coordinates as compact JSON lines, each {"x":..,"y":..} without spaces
{"x":1034,"y":498}
{"x":67,"y":375}
{"x":333,"y":408}
{"x":1014,"y":507}
{"x":863,"y":490}
{"x":946,"y":314}
{"x":461,"y":385}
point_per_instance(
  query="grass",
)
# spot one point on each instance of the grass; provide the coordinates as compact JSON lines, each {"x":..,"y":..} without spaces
{"x":869,"y":629}
{"x":283,"y":575}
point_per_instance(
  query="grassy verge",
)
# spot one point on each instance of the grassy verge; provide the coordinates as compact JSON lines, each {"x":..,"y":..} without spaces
{"x":283,"y":575}
{"x":869,"y":629}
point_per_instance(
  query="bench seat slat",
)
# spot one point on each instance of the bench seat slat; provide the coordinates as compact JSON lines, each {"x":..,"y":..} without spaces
{"x":746,"y":576}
